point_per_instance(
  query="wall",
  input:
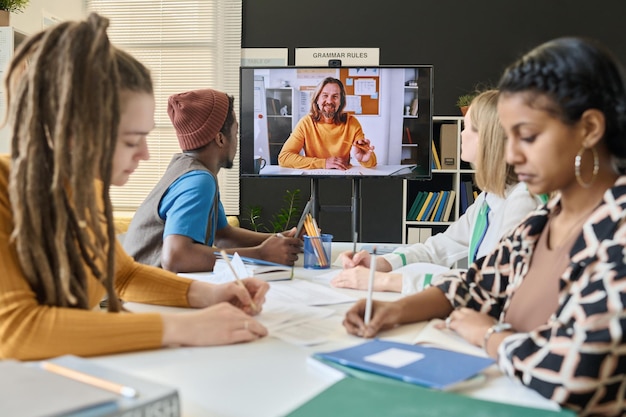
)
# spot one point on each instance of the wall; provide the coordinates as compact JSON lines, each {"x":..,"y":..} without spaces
{"x":31,"y":21}
{"x":468,"y":42}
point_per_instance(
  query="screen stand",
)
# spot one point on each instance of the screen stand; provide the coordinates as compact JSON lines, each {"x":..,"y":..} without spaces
{"x":355,"y":204}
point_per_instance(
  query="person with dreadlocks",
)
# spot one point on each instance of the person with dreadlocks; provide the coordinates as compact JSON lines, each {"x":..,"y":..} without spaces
{"x":79,"y":113}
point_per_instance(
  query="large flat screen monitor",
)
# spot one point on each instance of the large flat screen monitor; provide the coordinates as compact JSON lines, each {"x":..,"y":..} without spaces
{"x":392,"y":104}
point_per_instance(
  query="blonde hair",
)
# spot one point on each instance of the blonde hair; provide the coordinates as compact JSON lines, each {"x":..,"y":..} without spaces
{"x":64,"y":113}
{"x":493,"y":174}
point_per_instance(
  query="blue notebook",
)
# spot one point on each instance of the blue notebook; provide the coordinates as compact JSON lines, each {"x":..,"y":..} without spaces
{"x":421,"y":365}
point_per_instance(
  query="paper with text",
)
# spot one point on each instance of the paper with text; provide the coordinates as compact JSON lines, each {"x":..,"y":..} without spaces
{"x":306,"y":293}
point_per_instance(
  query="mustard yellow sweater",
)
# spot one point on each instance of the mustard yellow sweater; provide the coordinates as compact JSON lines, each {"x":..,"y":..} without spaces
{"x":31,"y":331}
{"x":320,"y":141}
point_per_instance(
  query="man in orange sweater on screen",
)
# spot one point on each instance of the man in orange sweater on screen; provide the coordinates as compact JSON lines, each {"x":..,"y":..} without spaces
{"x":327,"y":134}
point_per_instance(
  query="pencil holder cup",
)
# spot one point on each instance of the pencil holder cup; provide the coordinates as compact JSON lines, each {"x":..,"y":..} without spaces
{"x":317,"y":250}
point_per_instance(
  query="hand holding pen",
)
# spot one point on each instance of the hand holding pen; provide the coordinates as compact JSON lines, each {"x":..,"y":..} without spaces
{"x":363,"y":149}
{"x":255,"y":288}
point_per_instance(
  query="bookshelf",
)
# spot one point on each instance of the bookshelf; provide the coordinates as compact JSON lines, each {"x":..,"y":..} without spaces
{"x":412,"y":130}
{"x":451,"y":176}
{"x":280,"y":120}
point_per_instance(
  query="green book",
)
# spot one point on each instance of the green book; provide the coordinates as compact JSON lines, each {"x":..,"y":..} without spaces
{"x":362,"y":398}
{"x":417,"y":205}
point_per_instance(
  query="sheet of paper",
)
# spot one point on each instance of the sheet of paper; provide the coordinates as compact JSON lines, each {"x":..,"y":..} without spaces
{"x":305,"y":293}
{"x":310,"y":332}
{"x":220,"y":275}
{"x":394,"y":358}
{"x":449,"y":339}
{"x":277,"y":315}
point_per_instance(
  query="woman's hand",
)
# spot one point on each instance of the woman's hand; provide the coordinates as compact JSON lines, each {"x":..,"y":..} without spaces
{"x":358,"y":278}
{"x":470,"y":324}
{"x":220,"y":324}
{"x":250,"y":297}
{"x":384,"y":316}
{"x":351,"y":259}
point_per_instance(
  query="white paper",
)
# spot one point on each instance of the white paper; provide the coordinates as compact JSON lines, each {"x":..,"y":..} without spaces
{"x":305,"y":293}
{"x":277,"y":315}
{"x":308,"y":333}
{"x":353,"y":103}
{"x":364,"y":86}
{"x":394,"y":357}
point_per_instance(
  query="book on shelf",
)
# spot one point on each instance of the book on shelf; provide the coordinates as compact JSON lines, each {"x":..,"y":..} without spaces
{"x":433,"y":212}
{"x":421,"y":365}
{"x":449,"y":205}
{"x":448,"y":143}
{"x":409,"y":139}
{"x":429,"y":207}
{"x":429,"y":197}
{"x":463,"y":197}
{"x":414,"y":107}
{"x":416,"y":206}
{"x":273,"y":106}
{"x":441,"y":206}
{"x":436,"y":161}
{"x":470,"y":192}
{"x":29,"y":390}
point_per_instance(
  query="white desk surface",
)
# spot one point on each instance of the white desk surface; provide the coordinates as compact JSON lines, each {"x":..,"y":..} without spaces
{"x":270,"y":377}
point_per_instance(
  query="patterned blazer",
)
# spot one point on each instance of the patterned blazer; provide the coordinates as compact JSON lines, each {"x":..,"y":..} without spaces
{"x":577,"y":358}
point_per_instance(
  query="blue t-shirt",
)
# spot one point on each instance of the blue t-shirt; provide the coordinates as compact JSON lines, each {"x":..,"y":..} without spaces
{"x":187,"y":204}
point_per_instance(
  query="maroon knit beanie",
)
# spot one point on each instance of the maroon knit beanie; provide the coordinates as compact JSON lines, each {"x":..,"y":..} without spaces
{"x":197,"y":116}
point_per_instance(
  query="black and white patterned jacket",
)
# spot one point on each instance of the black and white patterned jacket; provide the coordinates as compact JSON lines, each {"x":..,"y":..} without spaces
{"x":577,"y":358}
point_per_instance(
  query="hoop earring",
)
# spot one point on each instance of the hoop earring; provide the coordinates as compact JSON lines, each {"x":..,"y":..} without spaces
{"x":577,"y":163}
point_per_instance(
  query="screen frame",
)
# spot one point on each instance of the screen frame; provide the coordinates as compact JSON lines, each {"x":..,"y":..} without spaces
{"x":247,"y":119}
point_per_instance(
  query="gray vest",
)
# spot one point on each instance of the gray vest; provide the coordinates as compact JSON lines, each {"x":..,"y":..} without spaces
{"x":144,"y":238}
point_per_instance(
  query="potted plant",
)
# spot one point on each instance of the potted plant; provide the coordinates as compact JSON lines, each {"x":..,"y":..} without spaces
{"x":11,"y":6}
{"x":464,"y":101}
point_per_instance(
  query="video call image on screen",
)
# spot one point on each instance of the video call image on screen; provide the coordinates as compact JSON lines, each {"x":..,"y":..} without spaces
{"x":392,"y":104}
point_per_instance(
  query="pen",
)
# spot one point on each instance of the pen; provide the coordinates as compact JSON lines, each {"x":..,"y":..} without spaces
{"x":355,"y":238}
{"x":227,"y":260}
{"x":370,"y":287}
{"x":90,"y":379}
{"x":364,"y":148}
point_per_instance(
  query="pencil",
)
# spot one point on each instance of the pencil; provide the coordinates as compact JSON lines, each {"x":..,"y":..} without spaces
{"x":370,"y":288}
{"x":324,"y":261}
{"x":364,"y":148}
{"x":90,"y":379}
{"x":311,"y":229}
{"x":225,"y":258}
{"x":313,"y":238}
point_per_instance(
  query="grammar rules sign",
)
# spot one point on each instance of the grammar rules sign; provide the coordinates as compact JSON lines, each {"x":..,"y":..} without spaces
{"x":324,"y":57}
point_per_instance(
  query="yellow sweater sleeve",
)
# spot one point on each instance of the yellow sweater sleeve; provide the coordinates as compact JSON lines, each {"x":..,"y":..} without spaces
{"x":29,"y":330}
{"x":320,"y":141}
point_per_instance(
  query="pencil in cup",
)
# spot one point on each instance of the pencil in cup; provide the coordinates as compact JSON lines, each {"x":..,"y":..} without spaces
{"x":314,"y":244}
{"x":317,"y":251}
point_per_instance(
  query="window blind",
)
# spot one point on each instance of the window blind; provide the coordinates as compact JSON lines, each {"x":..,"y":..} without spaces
{"x":187,"y":45}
